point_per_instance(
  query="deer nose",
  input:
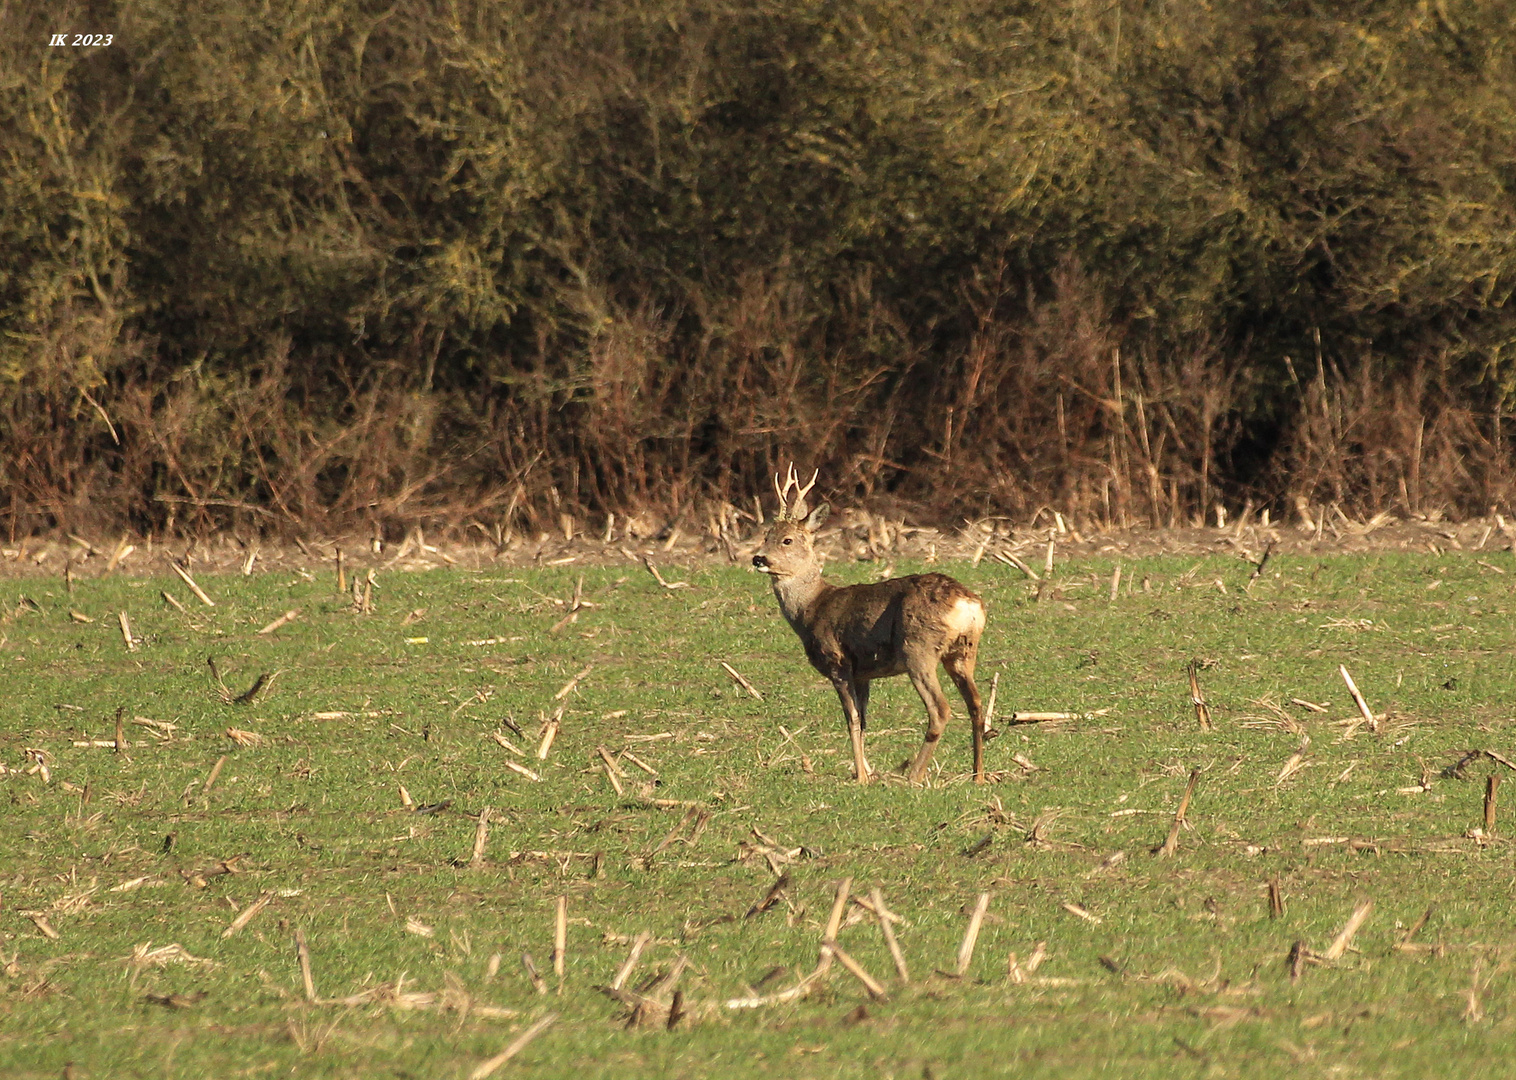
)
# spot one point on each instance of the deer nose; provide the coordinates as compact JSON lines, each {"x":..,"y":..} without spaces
{"x":760,"y":560}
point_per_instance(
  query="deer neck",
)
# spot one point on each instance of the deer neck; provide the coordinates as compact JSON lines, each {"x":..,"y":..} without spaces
{"x":797,"y":595}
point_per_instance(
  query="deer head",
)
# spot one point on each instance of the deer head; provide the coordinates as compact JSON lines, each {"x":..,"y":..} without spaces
{"x":788,"y":548}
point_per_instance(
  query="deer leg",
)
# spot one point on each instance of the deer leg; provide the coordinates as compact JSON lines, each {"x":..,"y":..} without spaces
{"x":861,"y":694}
{"x":847,"y":692}
{"x":961,"y":670}
{"x":924,"y":678}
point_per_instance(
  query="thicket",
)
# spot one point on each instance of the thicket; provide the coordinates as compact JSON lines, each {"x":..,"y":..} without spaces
{"x":303,"y":266}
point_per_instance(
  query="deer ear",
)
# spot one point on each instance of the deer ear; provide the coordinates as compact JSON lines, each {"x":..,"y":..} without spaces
{"x":817,"y":517}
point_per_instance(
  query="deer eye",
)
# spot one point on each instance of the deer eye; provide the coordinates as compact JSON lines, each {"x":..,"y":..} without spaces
{"x":788,"y":540}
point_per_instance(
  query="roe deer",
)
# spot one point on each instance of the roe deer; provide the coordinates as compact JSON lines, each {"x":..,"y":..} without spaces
{"x":856,"y":633}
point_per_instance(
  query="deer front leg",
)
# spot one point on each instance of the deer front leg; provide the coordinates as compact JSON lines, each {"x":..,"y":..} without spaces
{"x":861,"y":695}
{"x":848,"y":693}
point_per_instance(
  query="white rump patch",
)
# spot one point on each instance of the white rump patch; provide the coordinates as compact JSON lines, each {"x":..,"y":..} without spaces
{"x":965,"y":618}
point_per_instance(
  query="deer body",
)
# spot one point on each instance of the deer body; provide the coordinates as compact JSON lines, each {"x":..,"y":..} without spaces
{"x":854,"y":634}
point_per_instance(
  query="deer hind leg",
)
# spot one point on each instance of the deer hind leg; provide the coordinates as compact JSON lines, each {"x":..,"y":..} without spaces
{"x":853,"y":704}
{"x":923,"y":673}
{"x":960,"y":668}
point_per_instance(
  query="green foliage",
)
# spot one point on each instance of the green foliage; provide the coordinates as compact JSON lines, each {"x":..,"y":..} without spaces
{"x":614,"y":233}
{"x":1347,"y":171}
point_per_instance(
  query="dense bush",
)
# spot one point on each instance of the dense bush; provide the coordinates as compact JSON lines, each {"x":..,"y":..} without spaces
{"x":305,"y":265}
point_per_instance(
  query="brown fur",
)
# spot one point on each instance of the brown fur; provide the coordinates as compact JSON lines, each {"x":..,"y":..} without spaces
{"x":856,"y":633}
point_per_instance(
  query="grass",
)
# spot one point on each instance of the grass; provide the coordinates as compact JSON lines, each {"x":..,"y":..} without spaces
{"x":1183,"y":973}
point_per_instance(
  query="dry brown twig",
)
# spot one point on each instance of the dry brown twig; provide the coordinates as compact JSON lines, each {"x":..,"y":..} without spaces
{"x":1258,"y":569}
{"x":481,"y":838}
{"x":1473,"y":1011}
{"x":834,"y":922}
{"x":488,"y":1067}
{"x":261,"y":685}
{"x":210,"y":781}
{"x":523,"y":770}
{"x":502,"y":741}
{"x":988,"y":720}
{"x":1171,"y":845}
{"x":303,"y":952}
{"x":560,"y":939}
{"x":196,"y":589}
{"x":1294,"y":763}
{"x":1507,"y":762}
{"x":222,"y":690}
{"x":248,"y":914}
{"x":550,"y":730}
{"x":123,"y":549}
{"x":575,"y":604}
{"x":282,"y":621}
{"x":126,"y":631}
{"x":637,"y":761}
{"x":1296,"y":960}
{"x":630,"y":963}
{"x":646,"y":1010}
{"x":610,"y":763}
{"x":971,"y":935}
{"x":794,"y":993}
{"x":1363,"y":706}
{"x":44,"y":927}
{"x":874,"y":987}
{"x":883,"y":915}
{"x":1405,"y":944}
{"x":613,"y":771}
{"x":1019,"y":972}
{"x":1345,"y":937}
{"x":741,"y":681}
{"x":1080,"y":912}
{"x":668,"y":981}
{"x":770,"y":898}
{"x":1202,"y":710}
{"x":1011,"y":560}
{"x":691,"y":817}
{"x":647,"y":561}
{"x":1048,"y":717}
{"x":530,"y":967}
{"x":568,"y":687}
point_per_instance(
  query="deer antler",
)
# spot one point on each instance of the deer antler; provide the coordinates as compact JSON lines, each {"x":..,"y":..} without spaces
{"x":798,"y":508}
{"x":792,"y":506}
{"x":783,"y":513}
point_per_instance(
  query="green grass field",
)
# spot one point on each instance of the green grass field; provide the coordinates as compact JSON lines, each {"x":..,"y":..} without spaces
{"x":1175,"y":967}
